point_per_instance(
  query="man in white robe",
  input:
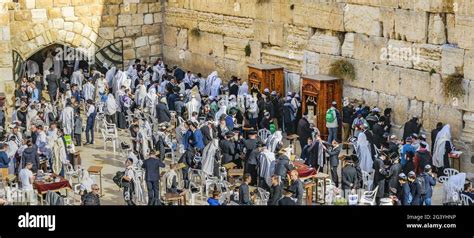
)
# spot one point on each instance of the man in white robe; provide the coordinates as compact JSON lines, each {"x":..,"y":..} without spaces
{"x":215,"y":87}
{"x":267,"y":165}
{"x":32,"y":67}
{"x":30,"y":116}
{"x":67,"y":119}
{"x":243,"y":89}
{"x":88,"y":91}
{"x":364,"y":153}
{"x":193,"y":106}
{"x":222,"y":110}
{"x":209,"y":157}
{"x":48,"y":63}
{"x":110,"y":75}
{"x":209,"y":82}
{"x":202,"y":85}
{"x":77,"y":78}
{"x":151,"y":100}
{"x":442,"y":137}
{"x":140,"y":94}
{"x":273,"y":140}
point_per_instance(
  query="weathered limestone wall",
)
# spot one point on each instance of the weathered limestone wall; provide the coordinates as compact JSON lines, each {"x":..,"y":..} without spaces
{"x":89,"y":24}
{"x":5,"y":47}
{"x":306,"y":36}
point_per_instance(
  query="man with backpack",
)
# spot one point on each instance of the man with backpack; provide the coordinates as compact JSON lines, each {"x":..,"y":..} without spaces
{"x":332,"y":121}
{"x":427,"y":182}
{"x":152,"y":177}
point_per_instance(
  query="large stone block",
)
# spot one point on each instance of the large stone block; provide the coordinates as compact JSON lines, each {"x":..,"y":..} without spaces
{"x":387,"y":16}
{"x":148,"y":19}
{"x":328,"y":16}
{"x":363,"y":19}
{"x":463,"y":28}
{"x":451,"y":28}
{"x":39,"y":15}
{"x":151,"y":29}
{"x":428,"y":57}
{"x":369,"y":48}
{"x":386,"y":79}
{"x":133,"y":31}
{"x":67,"y":11}
{"x":452,"y":58}
{"x":137,"y":19}
{"x":399,"y":53}
{"x":207,"y":44}
{"x":415,"y":84}
{"x":143,"y":52}
{"x":22,"y":16}
{"x":109,"y":20}
{"x":469,"y":64}
{"x":119,"y":32}
{"x":347,"y":48}
{"x":43,"y":3}
{"x":141,"y":41}
{"x":106,"y":33}
{"x":436,"y":88}
{"x":170,"y":36}
{"x":411,"y":26}
{"x":325,"y":42}
{"x":400,"y":109}
{"x":310,"y":63}
{"x":62,"y":3}
{"x":124,"y":20}
{"x":436,"y":30}
{"x":182,"y":40}
{"x":129,"y":54}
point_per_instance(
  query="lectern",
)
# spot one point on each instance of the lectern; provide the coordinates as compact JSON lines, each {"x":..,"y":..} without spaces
{"x":263,"y":76}
{"x":318,"y":93}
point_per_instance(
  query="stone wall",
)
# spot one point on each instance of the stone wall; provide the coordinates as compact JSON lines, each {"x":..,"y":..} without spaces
{"x":401,"y":49}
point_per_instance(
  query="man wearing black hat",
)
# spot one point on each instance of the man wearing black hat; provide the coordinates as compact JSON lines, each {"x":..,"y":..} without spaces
{"x":411,"y":126}
{"x":251,"y":156}
{"x":393,"y":173}
{"x":208,"y":131}
{"x":349,"y":176}
{"x":283,"y":166}
{"x":378,"y":131}
{"x":227,"y":148}
{"x":304,"y":130}
{"x":265,"y":122}
{"x":379,"y":176}
{"x":179,"y":105}
{"x":287,"y":199}
{"x":53,"y":85}
{"x":91,"y":114}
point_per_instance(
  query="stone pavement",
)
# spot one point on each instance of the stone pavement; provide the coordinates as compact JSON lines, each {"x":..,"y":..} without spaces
{"x":94,"y":155}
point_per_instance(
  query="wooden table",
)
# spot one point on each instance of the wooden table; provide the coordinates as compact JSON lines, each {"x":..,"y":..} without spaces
{"x":456,"y":159}
{"x":309,"y":192}
{"x":174,"y":197}
{"x":317,"y":178}
{"x":229,"y":166}
{"x":43,"y":187}
{"x":97,"y":170}
{"x":247,"y":130}
{"x":231,"y":173}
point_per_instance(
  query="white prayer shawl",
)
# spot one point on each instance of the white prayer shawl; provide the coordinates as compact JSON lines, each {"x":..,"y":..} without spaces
{"x":49,"y":109}
{"x":132,"y":73}
{"x":162,"y":88}
{"x":51,"y":135}
{"x":30,"y":116}
{"x":208,"y":157}
{"x":193,"y":106}
{"x":169,"y":178}
{"x":215,"y":87}
{"x":241,"y":103}
{"x":111,"y":105}
{"x":253,"y":109}
{"x":140,"y":95}
{"x":86,"y":181}
{"x":243,"y":89}
{"x":33,"y":68}
{"x":59,"y":155}
{"x":267,"y":166}
{"x":209,"y":82}
{"x":77,"y":78}
{"x":182,"y":88}
{"x":151,"y":100}
{"x":143,"y":137}
{"x":232,"y":102}
{"x":222,"y":110}
{"x":109,"y":76}
{"x":89,"y":91}
{"x":118,"y":81}
{"x":48,"y":62}
{"x":188,"y":79}
{"x":67,"y":119}
{"x":101,"y":85}
{"x":12,"y":149}
{"x":273,"y":140}
{"x":158,"y":71}
{"x":202,"y":86}
{"x":364,"y":153}
{"x":296,"y":104}
{"x":440,"y":146}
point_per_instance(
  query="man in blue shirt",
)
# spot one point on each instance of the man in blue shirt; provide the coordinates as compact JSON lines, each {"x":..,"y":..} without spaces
{"x":4,"y":161}
{"x":430,"y":182}
{"x":152,"y":177}
{"x":407,"y":147}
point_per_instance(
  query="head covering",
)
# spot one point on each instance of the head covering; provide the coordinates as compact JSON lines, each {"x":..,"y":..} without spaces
{"x":290,"y":94}
{"x":334,"y":103}
{"x":376,"y":109}
{"x":274,"y":92}
{"x":229,"y":134}
{"x":411,"y":174}
{"x":393,"y":137}
{"x":427,"y":167}
{"x":402,"y":176}
{"x":409,"y":139}
{"x":266,"y":90}
{"x":288,"y":98}
{"x":252,"y":132}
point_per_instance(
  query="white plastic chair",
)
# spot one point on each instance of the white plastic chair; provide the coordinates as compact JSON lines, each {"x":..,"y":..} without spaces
{"x":264,"y":134}
{"x":466,"y":200}
{"x":368,"y":198}
{"x":443,"y":179}
{"x":110,"y":135}
{"x":71,"y":174}
{"x":450,"y":172}
{"x":367,"y":181}
{"x":263,"y":197}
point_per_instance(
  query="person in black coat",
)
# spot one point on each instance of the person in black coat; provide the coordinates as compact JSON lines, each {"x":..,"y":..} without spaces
{"x":244,"y":192}
{"x":349,"y":176}
{"x":378,"y":133}
{"x":379,"y":177}
{"x":234,"y":86}
{"x":297,"y":186}
{"x":208,"y":132}
{"x":434,"y":133}
{"x":227,"y":148}
{"x":287,"y":199}
{"x":188,"y":160}
{"x":265,"y":122}
{"x":30,"y":155}
{"x":283,"y":166}
{"x":412,"y":126}
{"x":251,"y":156}
{"x":152,"y":177}
{"x":393,"y":173}
{"x":370,"y":139}
{"x":275,"y":191}
{"x":334,"y":152}
{"x":415,"y":189}
{"x":162,"y":113}
{"x":304,"y":130}
{"x":53,"y":85}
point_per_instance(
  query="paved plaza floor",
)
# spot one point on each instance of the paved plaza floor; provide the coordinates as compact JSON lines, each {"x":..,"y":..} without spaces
{"x":95,"y":155}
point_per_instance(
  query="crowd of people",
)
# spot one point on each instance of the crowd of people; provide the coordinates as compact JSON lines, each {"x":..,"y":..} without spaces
{"x":213,"y":124}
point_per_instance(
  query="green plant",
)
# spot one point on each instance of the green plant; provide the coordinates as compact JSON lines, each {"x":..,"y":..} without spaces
{"x":292,"y":6}
{"x":452,"y":85}
{"x":195,"y":32}
{"x":342,"y":69}
{"x":248,"y":50}
{"x":432,"y":72}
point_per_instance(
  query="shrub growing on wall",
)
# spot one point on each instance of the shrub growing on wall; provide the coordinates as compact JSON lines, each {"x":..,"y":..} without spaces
{"x":452,"y":85}
{"x":195,"y":32}
{"x":342,"y":69}
{"x":248,"y":50}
